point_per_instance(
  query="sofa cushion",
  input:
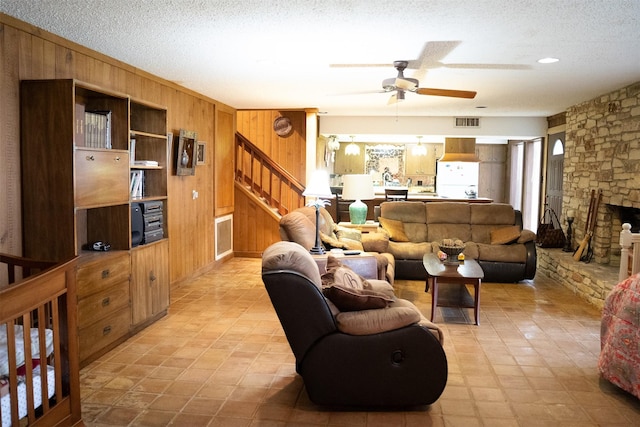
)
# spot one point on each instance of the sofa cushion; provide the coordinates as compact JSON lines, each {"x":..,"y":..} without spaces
{"x":412,"y":215}
{"x":395,"y":229}
{"x":504,"y":235}
{"x":492,"y":214}
{"x":347,"y":298}
{"x":502,"y":253}
{"x":291,"y":256}
{"x":409,"y":250}
{"x":448,"y":213}
{"x":367,"y":322}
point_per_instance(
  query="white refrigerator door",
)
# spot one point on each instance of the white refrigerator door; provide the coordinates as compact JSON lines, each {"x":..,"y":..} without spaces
{"x":455,"y":178}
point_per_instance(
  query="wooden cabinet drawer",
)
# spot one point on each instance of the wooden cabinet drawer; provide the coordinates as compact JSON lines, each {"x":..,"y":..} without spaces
{"x":104,"y":332}
{"x":102,"y":177}
{"x":98,"y":276}
{"x":102,"y":304}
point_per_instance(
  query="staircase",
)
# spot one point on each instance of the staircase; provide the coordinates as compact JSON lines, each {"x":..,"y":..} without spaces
{"x":258,"y":175}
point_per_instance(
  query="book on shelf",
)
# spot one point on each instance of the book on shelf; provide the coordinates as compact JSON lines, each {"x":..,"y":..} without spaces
{"x":132,"y":151}
{"x":136,"y":185}
{"x":97,"y":129}
{"x":145,"y":163}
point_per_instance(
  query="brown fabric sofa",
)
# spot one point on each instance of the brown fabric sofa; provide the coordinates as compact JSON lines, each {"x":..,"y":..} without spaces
{"x":299,"y":226}
{"x":492,"y":233}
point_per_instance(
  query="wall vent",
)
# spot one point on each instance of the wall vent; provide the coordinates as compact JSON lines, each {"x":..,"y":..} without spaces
{"x":224,"y":236}
{"x":467,"y":122}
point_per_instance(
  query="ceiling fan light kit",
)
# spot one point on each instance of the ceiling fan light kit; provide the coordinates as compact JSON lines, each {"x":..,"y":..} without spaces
{"x":401,"y":84}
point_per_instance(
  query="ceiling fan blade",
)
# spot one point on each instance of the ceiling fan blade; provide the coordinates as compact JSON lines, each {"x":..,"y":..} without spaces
{"x":446,"y":92}
{"x":359,"y":65}
{"x":405,"y":84}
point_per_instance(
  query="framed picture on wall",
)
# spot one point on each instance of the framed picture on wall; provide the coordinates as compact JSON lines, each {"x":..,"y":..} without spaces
{"x":185,"y":155}
{"x":201,"y":153}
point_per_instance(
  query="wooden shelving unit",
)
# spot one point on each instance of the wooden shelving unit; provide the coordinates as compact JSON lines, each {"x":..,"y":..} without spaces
{"x":75,"y":194}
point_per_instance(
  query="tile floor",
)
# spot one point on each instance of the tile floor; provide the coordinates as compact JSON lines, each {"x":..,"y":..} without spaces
{"x":220,"y":358}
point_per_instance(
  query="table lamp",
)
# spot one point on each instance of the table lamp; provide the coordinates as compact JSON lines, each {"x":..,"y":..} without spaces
{"x":319,"y":188}
{"x":358,"y":188}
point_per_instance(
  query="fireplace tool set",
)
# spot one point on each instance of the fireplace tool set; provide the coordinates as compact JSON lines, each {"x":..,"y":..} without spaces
{"x":584,"y":252}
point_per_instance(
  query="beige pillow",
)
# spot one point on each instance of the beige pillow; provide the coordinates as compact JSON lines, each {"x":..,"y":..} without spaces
{"x":526,"y":236}
{"x":504,"y":235}
{"x":394,"y":228}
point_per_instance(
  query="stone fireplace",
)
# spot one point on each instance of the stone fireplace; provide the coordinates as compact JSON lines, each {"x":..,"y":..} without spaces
{"x":602,"y":152}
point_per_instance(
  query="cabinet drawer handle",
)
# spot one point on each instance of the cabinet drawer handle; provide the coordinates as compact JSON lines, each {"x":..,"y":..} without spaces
{"x":152,"y":277}
{"x":105,"y":274}
{"x":118,"y":159}
{"x":90,"y":158}
{"x":106,"y":301}
{"x":106,"y":330}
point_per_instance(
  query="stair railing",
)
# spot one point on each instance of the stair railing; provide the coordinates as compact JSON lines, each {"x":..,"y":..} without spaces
{"x":265,"y":178}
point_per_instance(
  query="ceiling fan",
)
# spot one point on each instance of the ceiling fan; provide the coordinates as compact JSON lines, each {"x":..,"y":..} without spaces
{"x":402,"y":84}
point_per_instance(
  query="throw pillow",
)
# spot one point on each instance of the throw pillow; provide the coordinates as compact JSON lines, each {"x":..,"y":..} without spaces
{"x":347,"y":298}
{"x":340,"y":274}
{"x":526,"y":236}
{"x":348,"y":233}
{"x":504,"y":235}
{"x":395,"y":229}
{"x":331,"y":242}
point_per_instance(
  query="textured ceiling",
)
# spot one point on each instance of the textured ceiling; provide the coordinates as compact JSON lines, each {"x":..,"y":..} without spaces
{"x":312,"y":54}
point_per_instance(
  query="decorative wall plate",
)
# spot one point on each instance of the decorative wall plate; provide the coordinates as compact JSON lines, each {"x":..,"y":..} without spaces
{"x":282,"y":126}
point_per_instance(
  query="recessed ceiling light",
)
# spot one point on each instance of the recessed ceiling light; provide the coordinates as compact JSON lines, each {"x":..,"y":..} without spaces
{"x":548,"y":60}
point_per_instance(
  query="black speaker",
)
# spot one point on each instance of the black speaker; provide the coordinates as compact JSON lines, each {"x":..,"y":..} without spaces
{"x":137,"y":225}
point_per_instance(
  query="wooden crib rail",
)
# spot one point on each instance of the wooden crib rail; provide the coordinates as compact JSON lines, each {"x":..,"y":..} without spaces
{"x":40,"y":303}
{"x":27,"y":265}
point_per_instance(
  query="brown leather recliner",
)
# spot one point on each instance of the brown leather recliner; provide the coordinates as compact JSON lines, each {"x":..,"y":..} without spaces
{"x":299,"y":226}
{"x":381,"y":362}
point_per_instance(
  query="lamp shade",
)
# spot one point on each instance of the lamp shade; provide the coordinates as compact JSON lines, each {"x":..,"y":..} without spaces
{"x":357,"y":187}
{"x":318,"y":185}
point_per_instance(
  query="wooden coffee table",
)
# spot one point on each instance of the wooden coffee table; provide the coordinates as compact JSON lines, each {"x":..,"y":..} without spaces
{"x":467,"y":272}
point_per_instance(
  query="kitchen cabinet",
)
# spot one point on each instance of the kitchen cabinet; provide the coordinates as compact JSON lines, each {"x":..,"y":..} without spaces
{"x":352,"y":164}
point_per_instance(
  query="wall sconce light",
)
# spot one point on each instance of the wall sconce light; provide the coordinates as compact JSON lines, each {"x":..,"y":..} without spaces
{"x":352,"y":149}
{"x":419,"y":150}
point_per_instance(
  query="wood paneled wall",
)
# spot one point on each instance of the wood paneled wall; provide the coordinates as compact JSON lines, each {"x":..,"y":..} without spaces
{"x":27,"y":52}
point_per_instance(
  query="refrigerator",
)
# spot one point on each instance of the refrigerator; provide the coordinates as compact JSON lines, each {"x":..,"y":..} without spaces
{"x":457,"y":180}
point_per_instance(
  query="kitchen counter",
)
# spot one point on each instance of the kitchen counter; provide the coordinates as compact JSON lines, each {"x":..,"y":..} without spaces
{"x":339,"y":209}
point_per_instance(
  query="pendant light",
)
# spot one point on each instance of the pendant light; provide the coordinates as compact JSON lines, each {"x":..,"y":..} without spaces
{"x":352,"y":149}
{"x":419,"y":150}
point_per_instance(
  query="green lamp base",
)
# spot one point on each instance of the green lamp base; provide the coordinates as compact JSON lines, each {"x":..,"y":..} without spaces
{"x":358,"y":212}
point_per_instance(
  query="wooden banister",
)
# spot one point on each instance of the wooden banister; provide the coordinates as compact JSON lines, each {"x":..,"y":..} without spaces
{"x":265,"y":178}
